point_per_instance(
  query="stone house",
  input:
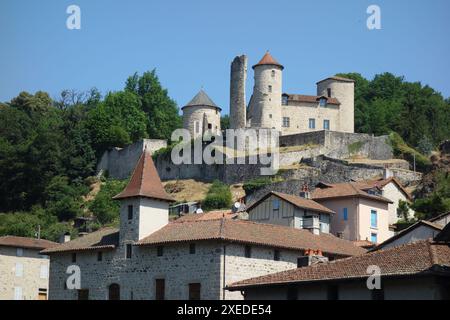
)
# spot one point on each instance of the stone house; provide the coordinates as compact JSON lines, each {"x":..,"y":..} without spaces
{"x":148,"y":257}
{"x":360,"y":214}
{"x":292,"y":211}
{"x":413,"y":271}
{"x":23,"y":270}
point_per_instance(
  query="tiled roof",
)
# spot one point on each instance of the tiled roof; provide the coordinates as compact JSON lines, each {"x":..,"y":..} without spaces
{"x":296,"y":201}
{"x":366,"y":184}
{"x":267,"y":59}
{"x":106,"y":238}
{"x":251,"y":233}
{"x":201,"y":99}
{"x":337,"y":79}
{"x":211,"y":215}
{"x":400,"y":234}
{"x":22,"y":242}
{"x":409,"y":259}
{"x":310,"y":99}
{"x":344,"y":190}
{"x":145,"y":181}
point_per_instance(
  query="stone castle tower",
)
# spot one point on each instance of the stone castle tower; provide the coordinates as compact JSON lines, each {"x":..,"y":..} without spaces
{"x":238,"y":108}
{"x":343,"y":90}
{"x":265,"y":103}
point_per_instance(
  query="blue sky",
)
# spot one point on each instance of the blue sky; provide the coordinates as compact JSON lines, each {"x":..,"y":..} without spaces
{"x":191,"y":43}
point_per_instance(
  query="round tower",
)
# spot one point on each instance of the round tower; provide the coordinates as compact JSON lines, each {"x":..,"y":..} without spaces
{"x":267,"y":91}
{"x":201,"y":114}
{"x":343,"y":90}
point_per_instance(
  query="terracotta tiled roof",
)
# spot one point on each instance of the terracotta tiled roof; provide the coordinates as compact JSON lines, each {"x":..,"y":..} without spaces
{"x":310,"y":99}
{"x":22,"y":242}
{"x":296,"y":201}
{"x":267,"y":59}
{"x":344,"y":190}
{"x":211,"y":215}
{"x":410,"y":259}
{"x":106,"y":238}
{"x":145,"y":181}
{"x":366,"y":184}
{"x":251,"y":233}
{"x":400,"y":234}
{"x":337,"y":79}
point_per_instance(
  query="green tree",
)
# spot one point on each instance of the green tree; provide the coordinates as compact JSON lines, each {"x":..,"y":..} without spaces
{"x":161,"y":110}
{"x":103,"y":207}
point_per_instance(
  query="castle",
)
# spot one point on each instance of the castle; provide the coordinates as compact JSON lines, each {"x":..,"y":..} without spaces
{"x":331,"y":109}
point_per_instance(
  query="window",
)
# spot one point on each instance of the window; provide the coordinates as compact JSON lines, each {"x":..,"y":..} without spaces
{"x":270,"y":116}
{"x":373,"y":238}
{"x":209,"y":126}
{"x":248,"y":251}
{"x":276,"y":255}
{"x":130,"y":212}
{"x":74,"y":257}
{"x":129,"y":251}
{"x":99,"y":256}
{"x":160,"y":289}
{"x":273,"y":73}
{"x":197,"y":127}
{"x":323,"y":102}
{"x":159,"y":251}
{"x":373,"y":219}
{"x":192,"y":248}
{"x":114,"y":292}
{"x":312,"y":123}
{"x":19,"y":252}
{"x":194,"y":291}
{"x":286,"y":122}
{"x":329,"y":92}
{"x":345,"y":214}
{"x":332,"y":292}
{"x":19,"y":270}
{"x":302,"y":262}
{"x":18,"y":293}
{"x":326,"y":124}
{"x":42,"y":294}
{"x":270,"y":88}
{"x":44,"y":271}
{"x":83,"y":294}
{"x":276,"y":204}
{"x":284,"y":100}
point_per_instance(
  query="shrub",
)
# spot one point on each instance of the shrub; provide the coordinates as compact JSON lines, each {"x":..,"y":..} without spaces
{"x":103,"y":207}
{"x":218,"y":197}
{"x":402,"y":150}
{"x":256,"y":184}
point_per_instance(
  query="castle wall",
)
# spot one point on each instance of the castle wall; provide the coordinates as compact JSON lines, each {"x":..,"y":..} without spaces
{"x":299,"y":114}
{"x":119,"y":163}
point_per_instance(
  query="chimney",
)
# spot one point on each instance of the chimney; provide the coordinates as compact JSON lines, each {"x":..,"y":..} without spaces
{"x":304,"y":193}
{"x":238,"y":77}
{"x":387,"y":173}
{"x":65,"y":237}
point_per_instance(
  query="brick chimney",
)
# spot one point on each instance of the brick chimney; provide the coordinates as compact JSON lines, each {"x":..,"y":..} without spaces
{"x":305,"y":193}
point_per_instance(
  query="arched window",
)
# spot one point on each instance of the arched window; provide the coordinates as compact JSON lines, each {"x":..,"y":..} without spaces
{"x":273,"y":73}
{"x":114,"y":292}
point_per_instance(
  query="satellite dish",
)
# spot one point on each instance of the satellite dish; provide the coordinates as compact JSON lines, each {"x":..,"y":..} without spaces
{"x":236,"y":206}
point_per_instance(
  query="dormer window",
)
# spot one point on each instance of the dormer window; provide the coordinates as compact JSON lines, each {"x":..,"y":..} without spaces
{"x":323,"y":102}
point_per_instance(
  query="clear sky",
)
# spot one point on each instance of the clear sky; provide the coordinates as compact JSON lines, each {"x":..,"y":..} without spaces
{"x":191,"y":43}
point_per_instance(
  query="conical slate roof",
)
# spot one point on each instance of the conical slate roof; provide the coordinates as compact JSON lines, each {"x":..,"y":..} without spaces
{"x":201,"y":99}
{"x":268,"y":60}
{"x":145,"y":181}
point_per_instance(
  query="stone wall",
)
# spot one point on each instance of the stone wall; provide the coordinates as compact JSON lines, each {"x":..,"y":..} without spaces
{"x":120,"y":162}
{"x":136,"y":277}
{"x":238,"y":109}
